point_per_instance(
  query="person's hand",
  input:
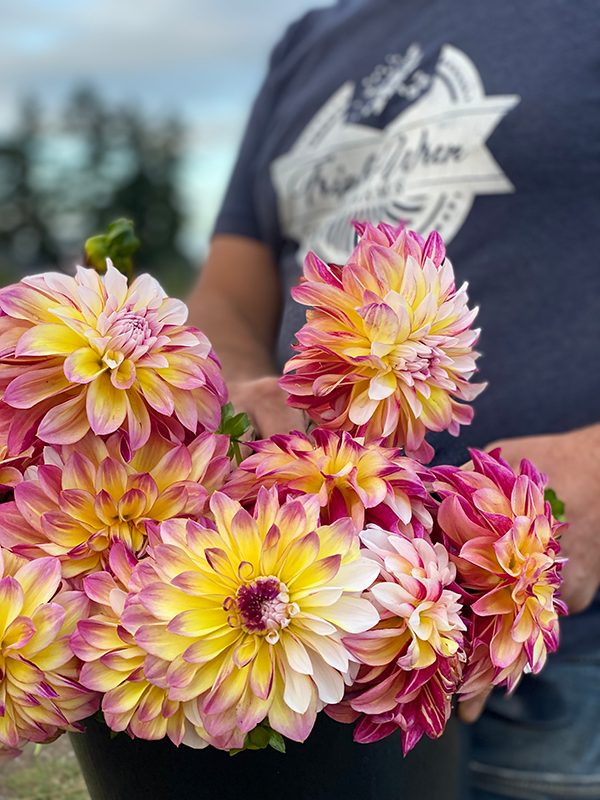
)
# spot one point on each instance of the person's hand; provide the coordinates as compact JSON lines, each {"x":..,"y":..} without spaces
{"x":470,"y":710}
{"x":264,"y":402}
{"x":572,"y":463}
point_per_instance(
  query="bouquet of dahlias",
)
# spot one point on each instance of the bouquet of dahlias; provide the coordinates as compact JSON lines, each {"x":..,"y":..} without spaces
{"x":149,"y":573}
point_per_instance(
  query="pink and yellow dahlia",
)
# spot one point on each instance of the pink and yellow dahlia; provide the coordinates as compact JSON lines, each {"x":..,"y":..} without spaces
{"x":83,"y":352}
{"x":115,"y":665}
{"x":88,"y":495}
{"x":12,"y":468}
{"x":350,"y":478}
{"x":413,"y":658}
{"x":386,"y":351}
{"x":507,"y":556}
{"x":39,"y":693}
{"x":250,"y":612}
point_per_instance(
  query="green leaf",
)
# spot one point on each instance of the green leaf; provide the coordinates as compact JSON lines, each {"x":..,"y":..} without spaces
{"x":557,"y":506}
{"x":235,"y":426}
{"x":261,"y":737}
{"x":119,"y":243}
{"x":277,"y":741}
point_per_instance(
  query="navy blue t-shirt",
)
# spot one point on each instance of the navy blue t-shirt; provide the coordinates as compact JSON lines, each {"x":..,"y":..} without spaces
{"x":476,"y":118}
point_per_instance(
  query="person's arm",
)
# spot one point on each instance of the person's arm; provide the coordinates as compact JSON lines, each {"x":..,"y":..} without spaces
{"x":572,"y":463}
{"x":236,"y":303}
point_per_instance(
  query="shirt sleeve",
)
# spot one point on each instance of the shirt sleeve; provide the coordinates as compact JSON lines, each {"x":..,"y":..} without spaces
{"x":238,"y":213}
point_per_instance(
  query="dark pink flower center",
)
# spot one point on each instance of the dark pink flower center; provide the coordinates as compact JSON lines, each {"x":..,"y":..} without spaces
{"x":263,"y":606}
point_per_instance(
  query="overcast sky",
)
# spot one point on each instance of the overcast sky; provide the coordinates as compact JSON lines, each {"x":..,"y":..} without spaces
{"x":202,"y":59}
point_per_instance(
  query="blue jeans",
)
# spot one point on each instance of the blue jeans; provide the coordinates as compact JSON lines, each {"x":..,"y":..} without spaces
{"x":543,"y":743}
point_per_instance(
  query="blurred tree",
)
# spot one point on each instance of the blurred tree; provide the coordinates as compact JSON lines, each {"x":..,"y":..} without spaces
{"x":65,"y":179}
{"x":25,"y":240}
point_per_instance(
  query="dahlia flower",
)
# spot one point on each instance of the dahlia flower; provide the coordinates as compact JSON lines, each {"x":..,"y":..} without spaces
{"x":250,"y":613}
{"x":80,"y":353}
{"x":12,"y":468}
{"x":39,"y":693}
{"x":85,"y":496}
{"x":507,"y":557}
{"x":114,"y":664}
{"x":413,"y":657}
{"x":349,"y":477}
{"x":386,"y":351}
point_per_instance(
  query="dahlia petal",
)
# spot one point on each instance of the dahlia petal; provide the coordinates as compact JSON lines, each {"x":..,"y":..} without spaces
{"x":11,"y":601}
{"x":48,"y":340}
{"x":95,"y":676}
{"x":330,"y":684}
{"x":124,"y":376}
{"x":481,"y":551}
{"x":64,"y":530}
{"x":132,"y":505}
{"x":299,"y":690}
{"x":175,"y":465}
{"x":377,"y":647}
{"x":116,"y":284}
{"x":504,"y":650}
{"x":165,"y":601}
{"x":226,"y":693}
{"x":112,"y":477}
{"x":301,"y":554}
{"x":296,"y":653}
{"x":197,"y":623}
{"x":66,"y":423}
{"x":250,"y":711}
{"x":382,"y":386}
{"x":78,"y":505}
{"x":352,"y":614}
{"x":356,"y":576}
{"x":318,"y":573}
{"x":23,"y":302}
{"x":138,"y":420}
{"x":156,"y":391}
{"x":394,"y":598}
{"x":294,"y":725}
{"x":31,"y":388}
{"x":330,"y":650}
{"x":183,"y":373}
{"x":40,"y":580}
{"x":83,"y":365}
{"x":151,"y":704}
{"x":170,"y":503}
{"x":434,"y":248}
{"x":362,"y":408}
{"x":123,"y":698}
{"x":158,"y":641}
{"x":32,"y":502}
{"x":18,"y":634}
{"x":381,"y":323}
{"x":9,"y":734}
{"x":102,"y":635}
{"x":206,"y":649}
{"x":106,"y":406}
{"x":262,"y":671}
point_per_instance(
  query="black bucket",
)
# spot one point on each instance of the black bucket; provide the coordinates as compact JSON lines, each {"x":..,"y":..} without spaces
{"x":328,"y":766}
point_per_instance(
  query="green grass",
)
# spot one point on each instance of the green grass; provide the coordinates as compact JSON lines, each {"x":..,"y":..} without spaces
{"x":51,"y":774}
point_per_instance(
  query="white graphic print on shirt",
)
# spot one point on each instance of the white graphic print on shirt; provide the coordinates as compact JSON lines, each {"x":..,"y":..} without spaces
{"x":425,"y":167}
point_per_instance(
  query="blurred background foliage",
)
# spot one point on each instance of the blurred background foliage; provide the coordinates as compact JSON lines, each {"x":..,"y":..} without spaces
{"x":64,"y":180}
